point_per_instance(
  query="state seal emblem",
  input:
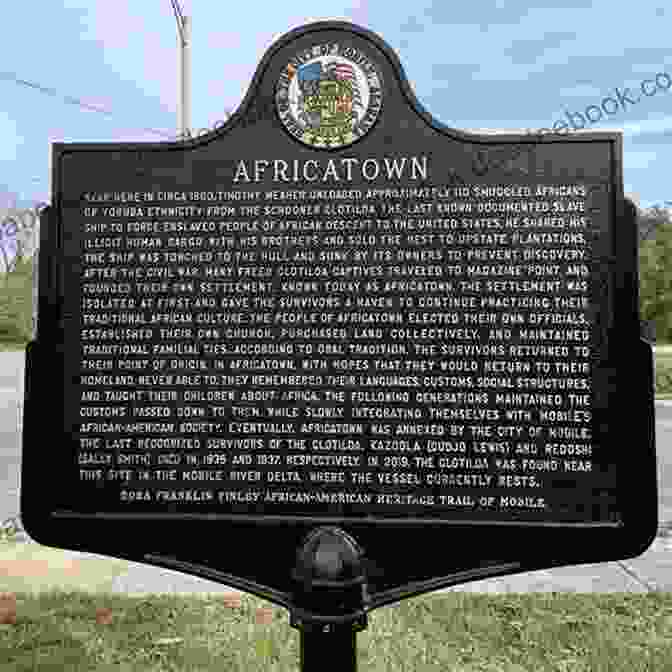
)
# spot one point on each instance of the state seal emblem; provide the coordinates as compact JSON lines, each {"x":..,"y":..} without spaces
{"x":329,"y":96}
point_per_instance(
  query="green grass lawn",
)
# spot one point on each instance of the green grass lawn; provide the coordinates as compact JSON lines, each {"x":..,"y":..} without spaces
{"x":557,"y":632}
{"x":664,"y":374}
{"x":13,"y":347}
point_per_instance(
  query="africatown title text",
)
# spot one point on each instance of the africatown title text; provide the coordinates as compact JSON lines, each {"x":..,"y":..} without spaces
{"x":333,"y":170}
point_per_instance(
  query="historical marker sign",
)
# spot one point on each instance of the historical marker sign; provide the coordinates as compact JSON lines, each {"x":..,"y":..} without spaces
{"x":335,"y":310}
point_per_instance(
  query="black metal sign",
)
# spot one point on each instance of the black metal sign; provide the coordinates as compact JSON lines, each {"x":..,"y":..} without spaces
{"x":336,"y":311}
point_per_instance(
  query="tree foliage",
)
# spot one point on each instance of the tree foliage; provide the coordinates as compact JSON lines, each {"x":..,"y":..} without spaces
{"x":16,"y":303}
{"x":19,"y":230}
{"x":655,"y":276}
{"x":650,"y":219}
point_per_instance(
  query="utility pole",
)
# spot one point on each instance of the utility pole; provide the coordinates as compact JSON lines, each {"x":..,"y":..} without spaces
{"x":184,"y":72}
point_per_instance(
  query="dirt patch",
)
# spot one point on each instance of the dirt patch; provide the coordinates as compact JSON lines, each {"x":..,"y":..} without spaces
{"x":34,"y":568}
{"x":39,"y":567}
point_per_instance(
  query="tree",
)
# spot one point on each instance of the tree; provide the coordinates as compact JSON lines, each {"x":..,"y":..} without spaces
{"x":649,"y":219}
{"x":655,"y":278}
{"x":19,"y":230}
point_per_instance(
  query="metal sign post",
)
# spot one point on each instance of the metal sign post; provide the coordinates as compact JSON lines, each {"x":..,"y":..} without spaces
{"x":329,"y":606}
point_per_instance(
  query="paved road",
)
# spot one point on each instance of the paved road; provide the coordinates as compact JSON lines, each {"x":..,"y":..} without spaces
{"x":11,"y":396}
{"x":664,"y":456}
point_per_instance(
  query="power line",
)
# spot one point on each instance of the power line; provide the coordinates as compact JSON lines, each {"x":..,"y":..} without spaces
{"x":71,"y":100}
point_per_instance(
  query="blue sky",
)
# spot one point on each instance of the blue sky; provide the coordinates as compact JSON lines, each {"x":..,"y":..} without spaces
{"x":481,"y":64}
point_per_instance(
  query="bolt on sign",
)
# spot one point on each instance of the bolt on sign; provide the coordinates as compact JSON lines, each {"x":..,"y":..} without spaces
{"x":332,"y":316}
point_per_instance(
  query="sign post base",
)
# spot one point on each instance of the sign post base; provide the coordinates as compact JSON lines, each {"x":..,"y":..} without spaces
{"x":330,"y":598}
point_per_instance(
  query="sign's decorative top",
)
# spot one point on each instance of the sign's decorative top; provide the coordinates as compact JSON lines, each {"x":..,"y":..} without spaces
{"x":329,"y":96}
